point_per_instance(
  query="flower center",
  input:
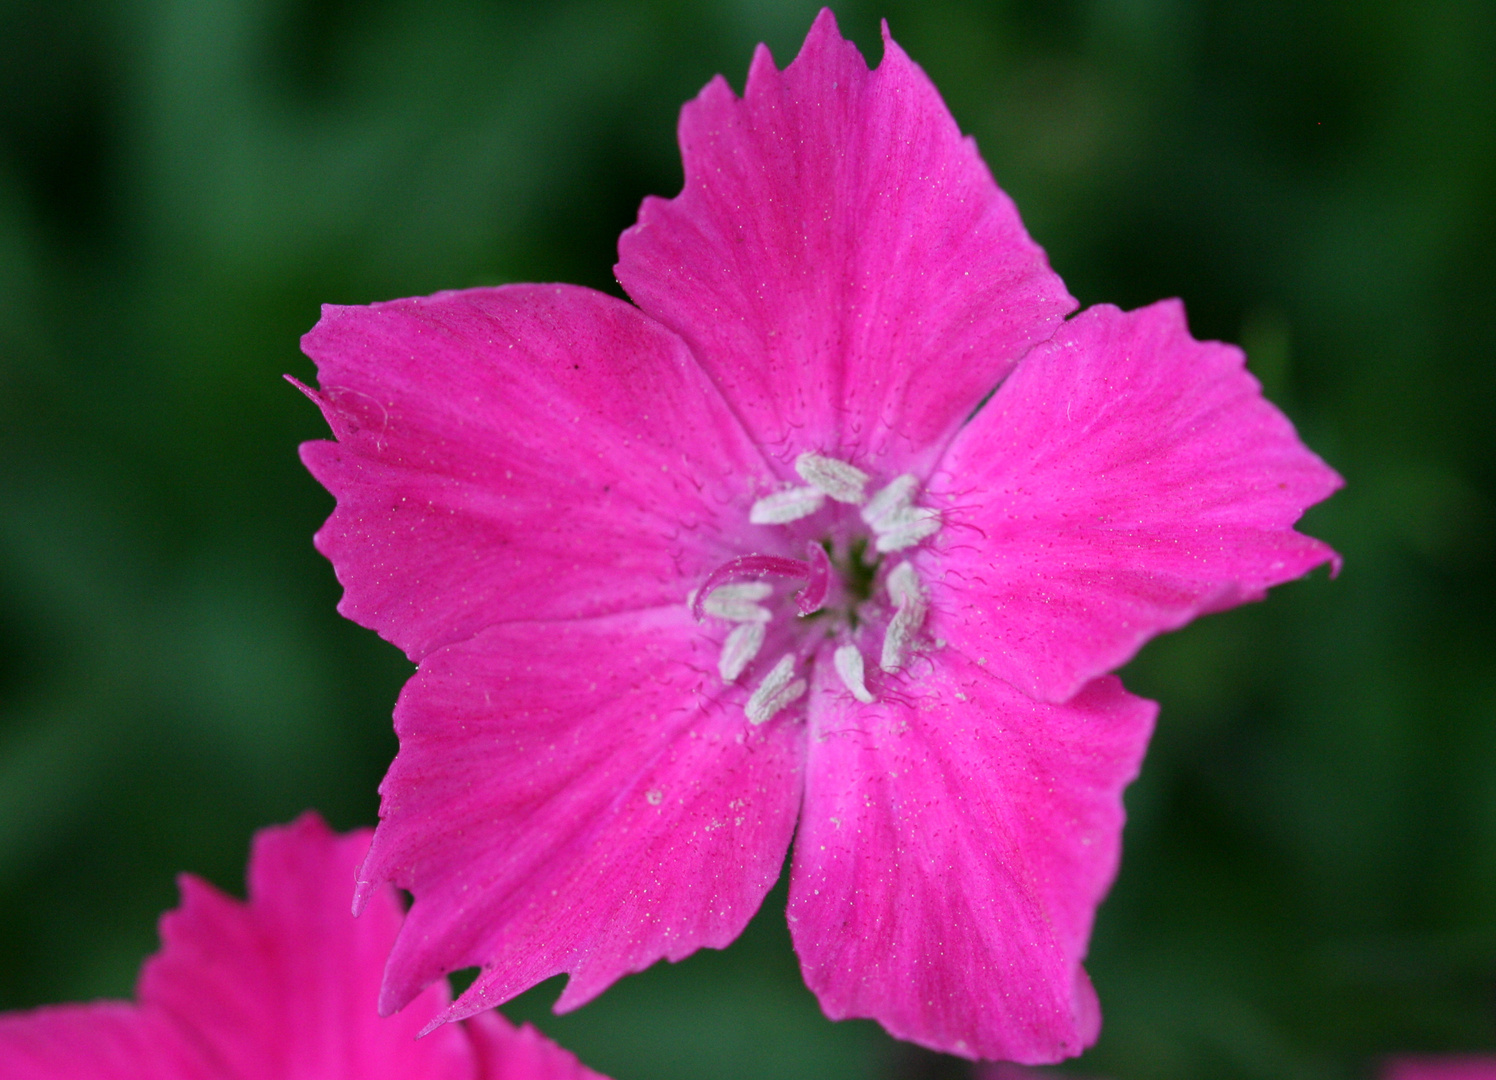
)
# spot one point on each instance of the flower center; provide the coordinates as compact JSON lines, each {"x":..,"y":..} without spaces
{"x":854,"y":586}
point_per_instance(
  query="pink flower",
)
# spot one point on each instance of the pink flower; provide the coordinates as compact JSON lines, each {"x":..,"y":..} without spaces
{"x":684,"y":578}
{"x":1454,"y":1067}
{"x":280,"y":988}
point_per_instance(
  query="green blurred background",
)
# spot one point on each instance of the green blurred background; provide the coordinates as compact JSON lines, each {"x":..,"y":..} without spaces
{"x":1310,"y":870}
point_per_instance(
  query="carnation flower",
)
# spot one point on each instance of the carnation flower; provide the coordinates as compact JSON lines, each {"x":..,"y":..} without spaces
{"x":282,"y":987}
{"x":754,"y":559}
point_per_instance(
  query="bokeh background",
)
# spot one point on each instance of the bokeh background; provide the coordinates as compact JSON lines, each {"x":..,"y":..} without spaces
{"x":1310,"y":870}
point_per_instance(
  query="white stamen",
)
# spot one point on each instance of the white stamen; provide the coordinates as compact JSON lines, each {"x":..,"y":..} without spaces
{"x":910,"y":527}
{"x":775,"y":692}
{"x":783,"y":507}
{"x":738,"y":602}
{"x":900,"y":636}
{"x":903,"y":588}
{"x":894,"y":497}
{"x":781,"y":700}
{"x":895,"y":520}
{"x":844,"y":483}
{"x":743,"y":590}
{"x":903,"y":584}
{"x":848,"y":663}
{"x":739,"y":649}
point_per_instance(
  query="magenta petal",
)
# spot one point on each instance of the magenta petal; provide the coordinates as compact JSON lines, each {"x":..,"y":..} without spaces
{"x":107,"y":1040}
{"x":580,"y":796}
{"x":284,"y":985}
{"x":1123,"y":480}
{"x":951,"y":855}
{"x":840,"y":259}
{"x":287,"y":984}
{"x":531,"y":451}
{"x":506,"y":1052}
{"x":1450,"y":1067}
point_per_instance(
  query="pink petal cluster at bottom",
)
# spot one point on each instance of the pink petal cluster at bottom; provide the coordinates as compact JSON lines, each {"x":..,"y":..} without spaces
{"x":1006,"y":1070}
{"x":1453,"y":1067}
{"x":282,"y":987}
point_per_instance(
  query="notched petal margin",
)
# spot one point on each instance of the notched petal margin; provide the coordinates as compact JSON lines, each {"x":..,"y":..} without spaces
{"x":1123,"y":480}
{"x":580,"y":797}
{"x":953,"y":849}
{"x":840,"y":259}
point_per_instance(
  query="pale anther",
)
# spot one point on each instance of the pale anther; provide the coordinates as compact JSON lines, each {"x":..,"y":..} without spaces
{"x":741,"y":646}
{"x":900,"y":636}
{"x":785,"y":697}
{"x":775,"y":692}
{"x":743,"y":590}
{"x":903,"y":588}
{"x":738,"y":602}
{"x":913,"y":525}
{"x":782,"y":507}
{"x":848,"y":661}
{"x":895,"y":496}
{"x":844,"y":483}
{"x":903,"y":584}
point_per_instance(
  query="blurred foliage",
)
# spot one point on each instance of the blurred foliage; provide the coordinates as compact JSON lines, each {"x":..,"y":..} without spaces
{"x":1310,"y":870}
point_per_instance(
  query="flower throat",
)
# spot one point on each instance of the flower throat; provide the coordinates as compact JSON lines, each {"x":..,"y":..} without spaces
{"x":857,"y":591}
